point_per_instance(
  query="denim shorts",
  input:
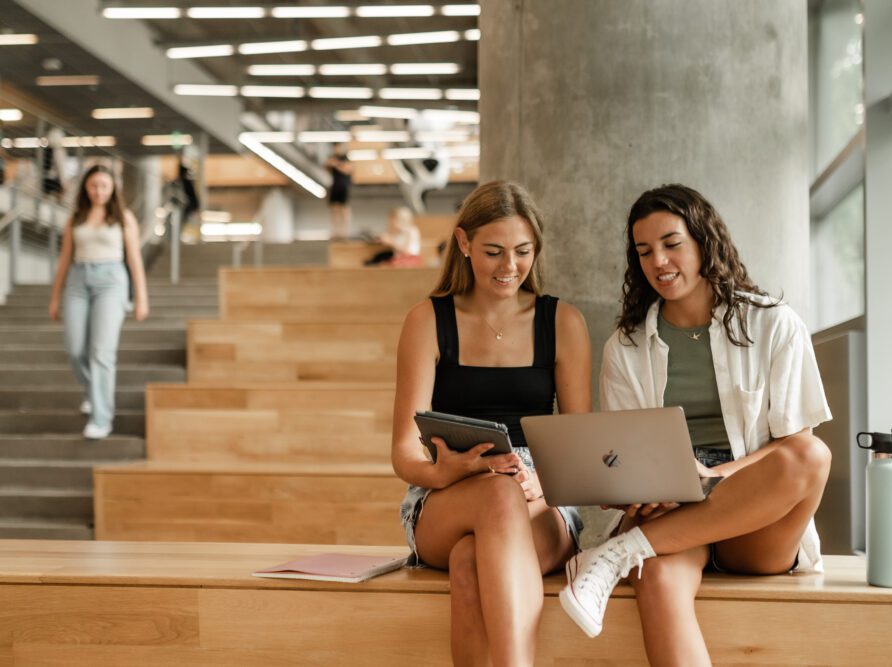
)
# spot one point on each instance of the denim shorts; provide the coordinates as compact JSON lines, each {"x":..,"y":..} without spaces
{"x":713,"y":456}
{"x":413,"y":504}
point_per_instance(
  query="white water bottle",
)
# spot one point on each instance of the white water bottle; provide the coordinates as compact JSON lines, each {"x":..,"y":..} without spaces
{"x":879,"y":507}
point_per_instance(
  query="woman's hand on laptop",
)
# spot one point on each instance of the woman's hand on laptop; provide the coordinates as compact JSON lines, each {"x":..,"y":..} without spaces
{"x":703,"y":471}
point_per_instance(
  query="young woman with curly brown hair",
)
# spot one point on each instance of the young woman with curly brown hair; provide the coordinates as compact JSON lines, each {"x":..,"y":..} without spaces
{"x":696,"y":331}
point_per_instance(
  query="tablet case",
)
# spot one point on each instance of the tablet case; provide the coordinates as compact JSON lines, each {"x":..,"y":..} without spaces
{"x":461,"y":433}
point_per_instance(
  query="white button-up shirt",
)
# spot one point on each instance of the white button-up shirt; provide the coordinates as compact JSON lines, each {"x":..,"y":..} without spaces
{"x":768,"y":390}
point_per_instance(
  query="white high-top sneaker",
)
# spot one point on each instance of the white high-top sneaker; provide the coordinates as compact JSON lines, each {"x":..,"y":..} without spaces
{"x":594,"y":573}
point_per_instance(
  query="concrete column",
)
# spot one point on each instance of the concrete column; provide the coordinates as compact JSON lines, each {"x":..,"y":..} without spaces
{"x":877,"y":204}
{"x":588,"y":103}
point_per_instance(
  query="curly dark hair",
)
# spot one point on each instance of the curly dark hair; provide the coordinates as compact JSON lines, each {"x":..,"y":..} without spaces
{"x":721,"y":263}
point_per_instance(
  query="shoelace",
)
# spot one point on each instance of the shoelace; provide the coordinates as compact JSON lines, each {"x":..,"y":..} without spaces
{"x":598,"y":585}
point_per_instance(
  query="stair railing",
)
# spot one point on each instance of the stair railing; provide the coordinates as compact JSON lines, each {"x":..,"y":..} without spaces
{"x":28,"y":205}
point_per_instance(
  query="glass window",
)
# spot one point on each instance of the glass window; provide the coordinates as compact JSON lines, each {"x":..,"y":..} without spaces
{"x":837,"y":263}
{"x":837,"y":77}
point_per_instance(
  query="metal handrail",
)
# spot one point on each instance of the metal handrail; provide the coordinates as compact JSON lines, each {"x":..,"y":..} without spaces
{"x":15,"y":210}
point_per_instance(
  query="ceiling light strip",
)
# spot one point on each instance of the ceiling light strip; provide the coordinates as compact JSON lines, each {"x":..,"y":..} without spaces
{"x":68,"y":80}
{"x":226,"y":12}
{"x":287,"y":46}
{"x":324,"y":92}
{"x":273,"y":91}
{"x":208,"y":51}
{"x":410,"y":94}
{"x":310,"y":12}
{"x":214,"y":90}
{"x":326,"y":44}
{"x":142,"y":13}
{"x":321,"y":137}
{"x":17,"y":39}
{"x":278,"y":162}
{"x":10,"y":115}
{"x":424,"y":68}
{"x":366,"y":69}
{"x":121,"y":113}
{"x":394,"y":11}
{"x":166,"y":140}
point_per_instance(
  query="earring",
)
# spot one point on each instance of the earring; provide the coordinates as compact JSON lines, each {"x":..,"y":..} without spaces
{"x":467,"y":256}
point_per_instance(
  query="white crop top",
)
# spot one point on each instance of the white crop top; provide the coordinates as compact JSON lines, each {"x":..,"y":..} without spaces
{"x":104,"y":243}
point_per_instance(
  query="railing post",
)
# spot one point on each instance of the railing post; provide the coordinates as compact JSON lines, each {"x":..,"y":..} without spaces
{"x":15,"y":246}
{"x":258,"y":252}
{"x":236,"y":254}
{"x":175,"y":215}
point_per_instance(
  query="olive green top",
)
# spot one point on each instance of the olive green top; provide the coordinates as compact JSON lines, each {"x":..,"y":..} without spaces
{"x":691,"y":383}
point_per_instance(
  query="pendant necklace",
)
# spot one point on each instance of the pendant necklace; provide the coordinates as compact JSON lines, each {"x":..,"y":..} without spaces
{"x":497,"y":332}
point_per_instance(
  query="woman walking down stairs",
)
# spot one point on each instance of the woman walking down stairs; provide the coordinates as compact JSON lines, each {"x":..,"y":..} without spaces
{"x":46,"y":466}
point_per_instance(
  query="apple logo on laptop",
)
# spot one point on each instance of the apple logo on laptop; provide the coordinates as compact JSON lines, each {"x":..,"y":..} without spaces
{"x":610,"y":459}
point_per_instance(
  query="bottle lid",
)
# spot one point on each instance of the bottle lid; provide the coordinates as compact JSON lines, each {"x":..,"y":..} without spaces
{"x":878,"y":442}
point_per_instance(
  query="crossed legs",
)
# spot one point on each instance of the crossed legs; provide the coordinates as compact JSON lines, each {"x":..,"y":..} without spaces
{"x":755,"y":518}
{"x":496,"y":547}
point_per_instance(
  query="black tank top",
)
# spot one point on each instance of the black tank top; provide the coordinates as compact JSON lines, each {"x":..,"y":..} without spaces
{"x":497,"y":394}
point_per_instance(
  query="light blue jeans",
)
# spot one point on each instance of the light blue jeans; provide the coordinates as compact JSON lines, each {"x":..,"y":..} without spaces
{"x":94,"y":309}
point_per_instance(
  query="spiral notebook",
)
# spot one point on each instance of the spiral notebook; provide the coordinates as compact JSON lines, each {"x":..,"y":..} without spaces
{"x":348,"y":568}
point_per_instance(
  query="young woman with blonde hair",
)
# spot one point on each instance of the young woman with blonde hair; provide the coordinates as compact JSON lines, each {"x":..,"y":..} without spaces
{"x":488,"y":344}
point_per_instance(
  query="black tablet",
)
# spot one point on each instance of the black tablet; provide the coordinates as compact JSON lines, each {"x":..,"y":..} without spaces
{"x":462,"y":433}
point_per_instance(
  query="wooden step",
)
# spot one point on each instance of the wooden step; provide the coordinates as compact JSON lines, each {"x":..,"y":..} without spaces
{"x":322,"y":295}
{"x":205,"y":502}
{"x":272,"y":423}
{"x":113,"y":603}
{"x":234,"y":351}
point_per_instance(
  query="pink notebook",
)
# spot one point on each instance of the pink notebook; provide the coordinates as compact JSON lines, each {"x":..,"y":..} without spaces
{"x":349,"y":568}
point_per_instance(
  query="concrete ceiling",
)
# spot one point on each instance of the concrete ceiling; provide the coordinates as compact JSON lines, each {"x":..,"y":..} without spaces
{"x":128,"y":56}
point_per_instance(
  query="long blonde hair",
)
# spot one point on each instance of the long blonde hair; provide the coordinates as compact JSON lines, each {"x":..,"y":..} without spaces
{"x":488,"y":203}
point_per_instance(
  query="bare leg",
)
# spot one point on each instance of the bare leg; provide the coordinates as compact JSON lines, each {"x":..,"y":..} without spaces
{"x":496,"y":560}
{"x":760,"y":512}
{"x":665,"y":595}
{"x":345,"y":221}
{"x":337,"y":224}
{"x":470,"y":645}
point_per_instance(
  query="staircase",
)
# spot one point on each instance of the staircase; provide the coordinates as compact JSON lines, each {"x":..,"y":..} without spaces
{"x":46,"y":486}
{"x":46,"y":483}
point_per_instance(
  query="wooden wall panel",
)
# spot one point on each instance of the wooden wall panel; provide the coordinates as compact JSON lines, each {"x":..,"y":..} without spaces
{"x":322,"y":295}
{"x":310,"y":422}
{"x":241,"y":351}
{"x":322,"y":505}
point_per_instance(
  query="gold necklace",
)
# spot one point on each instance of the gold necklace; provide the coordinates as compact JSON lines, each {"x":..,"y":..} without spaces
{"x":497,"y":332}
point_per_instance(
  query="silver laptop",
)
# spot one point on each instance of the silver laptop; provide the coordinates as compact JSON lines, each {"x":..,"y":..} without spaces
{"x":615,"y":458}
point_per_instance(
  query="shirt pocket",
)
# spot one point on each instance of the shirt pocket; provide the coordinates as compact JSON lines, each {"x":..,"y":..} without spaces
{"x":755,"y":432}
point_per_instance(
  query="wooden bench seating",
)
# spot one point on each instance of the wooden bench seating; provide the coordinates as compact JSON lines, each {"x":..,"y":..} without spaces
{"x":322,"y":295}
{"x":126,"y":603}
{"x":270,"y":422}
{"x":353,"y":254}
{"x":243,"y":351}
{"x":323,"y":503}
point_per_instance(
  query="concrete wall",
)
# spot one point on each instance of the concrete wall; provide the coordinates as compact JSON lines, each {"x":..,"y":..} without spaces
{"x":590,"y":102}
